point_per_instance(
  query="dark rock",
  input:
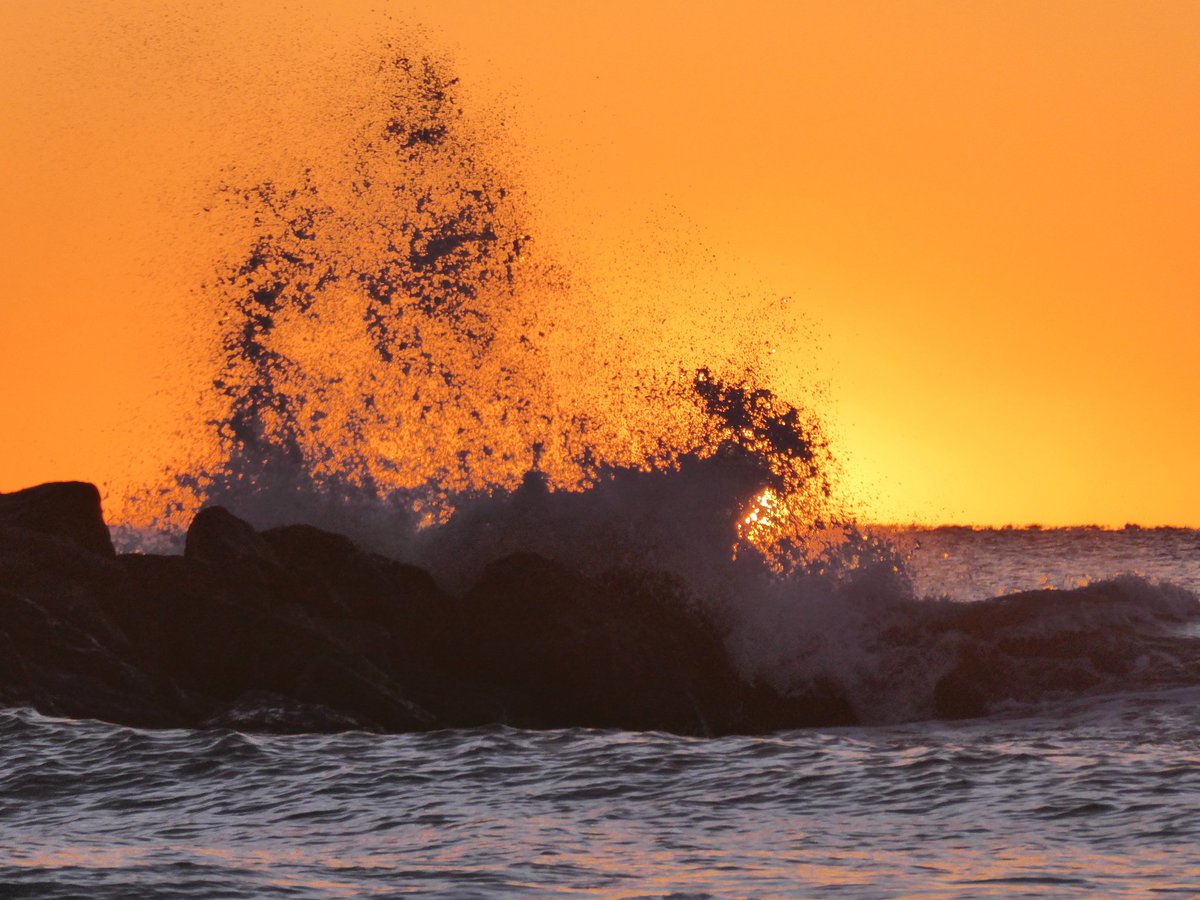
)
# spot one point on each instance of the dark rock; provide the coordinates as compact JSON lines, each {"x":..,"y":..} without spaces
{"x":40,"y":564}
{"x":61,"y":667}
{"x":620,"y":651}
{"x":336,"y":578}
{"x":297,"y":629}
{"x":63,"y":654}
{"x":218,"y":637}
{"x":66,"y":509}
{"x":218,"y":536}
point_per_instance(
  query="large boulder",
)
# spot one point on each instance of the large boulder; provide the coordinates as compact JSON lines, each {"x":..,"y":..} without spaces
{"x":218,"y":635}
{"x":69,"y":510}
{"x":62,"y":652}
{"x":618,"y":650}
{"x":63,"y":667}
{"x":218,"y":536}
{"x":341,"y":580}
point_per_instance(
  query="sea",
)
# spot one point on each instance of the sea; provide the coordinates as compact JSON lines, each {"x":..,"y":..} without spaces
{"x":1078,"y":796}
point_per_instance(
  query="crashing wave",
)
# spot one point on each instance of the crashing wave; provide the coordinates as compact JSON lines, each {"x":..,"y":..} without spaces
{"x":394,"y":359}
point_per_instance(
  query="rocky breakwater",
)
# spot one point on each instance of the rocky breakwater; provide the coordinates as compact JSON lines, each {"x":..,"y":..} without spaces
{"x":297,"y":629}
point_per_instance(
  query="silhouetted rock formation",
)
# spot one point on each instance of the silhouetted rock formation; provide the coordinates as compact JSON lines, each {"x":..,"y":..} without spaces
{"x":618,"y":651}
{"x":65,"y":509}
{"x":297,"y":629}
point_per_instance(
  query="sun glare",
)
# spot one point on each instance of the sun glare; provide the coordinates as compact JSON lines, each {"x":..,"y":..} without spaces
{"x":759,"y":524}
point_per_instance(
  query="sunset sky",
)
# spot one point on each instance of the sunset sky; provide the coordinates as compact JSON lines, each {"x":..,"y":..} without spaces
{"x":985,"y":216}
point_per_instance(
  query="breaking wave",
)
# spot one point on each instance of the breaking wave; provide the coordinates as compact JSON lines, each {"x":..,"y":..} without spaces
{"x":391,"y":351}
{"x":395,"y":358}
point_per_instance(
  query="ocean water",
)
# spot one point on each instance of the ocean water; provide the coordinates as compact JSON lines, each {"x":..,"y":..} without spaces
{"x":969,"y":564}
{"x":1095,"y":795}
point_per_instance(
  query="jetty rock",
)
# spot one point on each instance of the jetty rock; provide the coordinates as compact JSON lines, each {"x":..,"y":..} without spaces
{"x":295,"y":628}
{"x":64,"y":509}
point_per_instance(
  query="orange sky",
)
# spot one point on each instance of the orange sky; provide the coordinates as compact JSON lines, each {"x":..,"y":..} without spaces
{"x":986,"y":214}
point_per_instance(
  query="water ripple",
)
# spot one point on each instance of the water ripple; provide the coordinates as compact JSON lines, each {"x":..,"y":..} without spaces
{"x":1076,"y":800}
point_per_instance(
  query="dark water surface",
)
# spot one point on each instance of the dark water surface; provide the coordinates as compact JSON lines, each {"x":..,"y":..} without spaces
{"x":1097,"y":798}
{"x":1087,"y":796}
